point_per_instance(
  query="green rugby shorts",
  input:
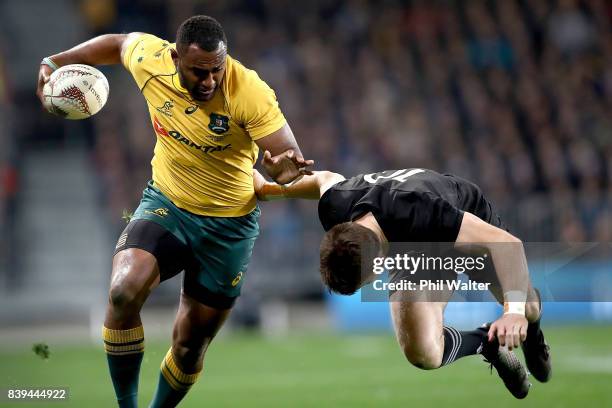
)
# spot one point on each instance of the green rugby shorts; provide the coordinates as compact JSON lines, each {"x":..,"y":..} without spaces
{"x":214,"y":252}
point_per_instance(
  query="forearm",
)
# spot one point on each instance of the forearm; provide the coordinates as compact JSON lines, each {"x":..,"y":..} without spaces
{"x":512,"y":271}
{"x":507,"y":253}
{"x":101,"y":50}
{"x":306,"y":187}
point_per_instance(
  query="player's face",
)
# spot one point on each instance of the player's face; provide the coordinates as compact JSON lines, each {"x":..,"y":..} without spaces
{"x":201,"y":72}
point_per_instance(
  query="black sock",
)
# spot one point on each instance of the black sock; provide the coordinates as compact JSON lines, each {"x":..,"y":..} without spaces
{"x":459,"y":344}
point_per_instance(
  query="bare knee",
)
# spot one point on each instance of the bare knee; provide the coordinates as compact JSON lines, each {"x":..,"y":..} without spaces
{"x":426,"y":355}
{"x":190,"y":354}
{"x":135,"y":272}
{"x":123,"y":297}
{"x":418,"y":328}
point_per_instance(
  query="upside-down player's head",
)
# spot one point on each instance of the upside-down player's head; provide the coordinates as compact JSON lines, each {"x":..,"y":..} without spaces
{"x":342,"y":250}
{"x":201,"y":48}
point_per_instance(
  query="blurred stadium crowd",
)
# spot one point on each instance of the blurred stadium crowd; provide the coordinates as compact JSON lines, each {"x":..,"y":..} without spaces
{"x":515,"y":95}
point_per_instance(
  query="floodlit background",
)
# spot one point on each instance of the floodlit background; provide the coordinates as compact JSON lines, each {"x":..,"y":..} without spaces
{"x":515,"y":95}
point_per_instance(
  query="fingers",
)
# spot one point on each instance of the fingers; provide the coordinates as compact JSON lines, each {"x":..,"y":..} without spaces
{"x":523,"y":333}
{"x":45,"y":72}
{"x":501,"y":335}
{"x":290,"y":154}
{"x":39,"y":88}
{"x":492,"y":331}
{"x":517,"y":336}
{"x":266,"y":159}
{"x":286,"y":166}
{"x":510,"y":331}
{"x":43,"y":78}
{"x":510,"y":337}
{"x":300,"y":162}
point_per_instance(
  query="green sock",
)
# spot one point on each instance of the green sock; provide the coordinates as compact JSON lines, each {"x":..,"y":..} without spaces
{"x":173,"y":384}
{"x":124,"y":352}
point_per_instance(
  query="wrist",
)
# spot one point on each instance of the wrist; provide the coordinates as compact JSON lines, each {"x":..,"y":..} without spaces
{"x":514,"y":302}
{"x":48,"y":61}
{"x":514,"y":308}
{"x":273,"y":191}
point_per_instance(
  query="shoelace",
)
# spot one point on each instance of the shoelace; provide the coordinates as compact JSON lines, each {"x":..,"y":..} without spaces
{"x":491,"y":363}
{"x":490,"y":366}
{"x":493,"y":353}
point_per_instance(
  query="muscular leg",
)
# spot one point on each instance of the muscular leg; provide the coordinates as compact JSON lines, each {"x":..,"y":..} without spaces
{"x":428,"y":344}
{"x":418,"y":329}
{"x":135,"y":274}
{"x":195,"y":327}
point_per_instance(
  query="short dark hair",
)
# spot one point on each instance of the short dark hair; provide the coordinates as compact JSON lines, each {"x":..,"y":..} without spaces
{"x":342,"y":249}
{"x":204,"y":31}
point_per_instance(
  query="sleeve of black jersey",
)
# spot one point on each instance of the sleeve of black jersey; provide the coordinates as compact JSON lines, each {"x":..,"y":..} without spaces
{"x":328,"y":213}
{"x":444,"y":222}
{"x":323,"y":210}
{"x":421,"y":217}
{"x":336,"y":206}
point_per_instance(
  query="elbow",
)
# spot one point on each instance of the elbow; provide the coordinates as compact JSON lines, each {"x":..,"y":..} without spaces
{"x":511,"y":238}
{"x":503,"y":242}
{"x":504,"y":237}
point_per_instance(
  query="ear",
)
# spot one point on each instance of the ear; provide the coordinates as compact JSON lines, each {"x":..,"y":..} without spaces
{"x":175,"y":56}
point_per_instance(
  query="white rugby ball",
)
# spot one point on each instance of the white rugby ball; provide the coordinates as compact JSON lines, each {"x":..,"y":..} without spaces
{"x":76,"y":91}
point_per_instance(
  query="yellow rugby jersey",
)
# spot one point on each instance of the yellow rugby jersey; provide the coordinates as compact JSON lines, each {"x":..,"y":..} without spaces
{"x":205,"y":151}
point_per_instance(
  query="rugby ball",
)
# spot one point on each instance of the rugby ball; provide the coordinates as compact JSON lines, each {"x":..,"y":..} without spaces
{"x":75,"y":91}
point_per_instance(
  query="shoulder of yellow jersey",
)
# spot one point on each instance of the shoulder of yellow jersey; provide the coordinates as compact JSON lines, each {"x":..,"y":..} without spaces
{"x":239,"y":78}
{"x":251,"y":101}
{"x":146,"y":56}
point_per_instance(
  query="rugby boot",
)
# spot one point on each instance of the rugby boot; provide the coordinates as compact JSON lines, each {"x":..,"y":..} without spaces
{"x":508,"y":367}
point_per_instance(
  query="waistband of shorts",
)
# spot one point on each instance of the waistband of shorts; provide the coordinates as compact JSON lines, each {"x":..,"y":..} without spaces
{"x":151,"y":186}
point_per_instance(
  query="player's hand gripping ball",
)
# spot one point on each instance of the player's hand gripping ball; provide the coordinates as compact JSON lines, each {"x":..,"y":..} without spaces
{"x":75,"y":91}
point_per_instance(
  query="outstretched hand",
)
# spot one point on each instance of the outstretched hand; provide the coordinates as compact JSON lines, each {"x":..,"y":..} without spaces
{"x":285,"y":167}
{"x":510,"y":329}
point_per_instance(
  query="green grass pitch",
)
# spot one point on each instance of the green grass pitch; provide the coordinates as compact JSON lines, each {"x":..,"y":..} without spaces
{"x":326,"y":370}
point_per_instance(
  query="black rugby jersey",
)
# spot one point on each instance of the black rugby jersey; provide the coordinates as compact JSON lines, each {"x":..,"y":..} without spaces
{"x":410,"y":205}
